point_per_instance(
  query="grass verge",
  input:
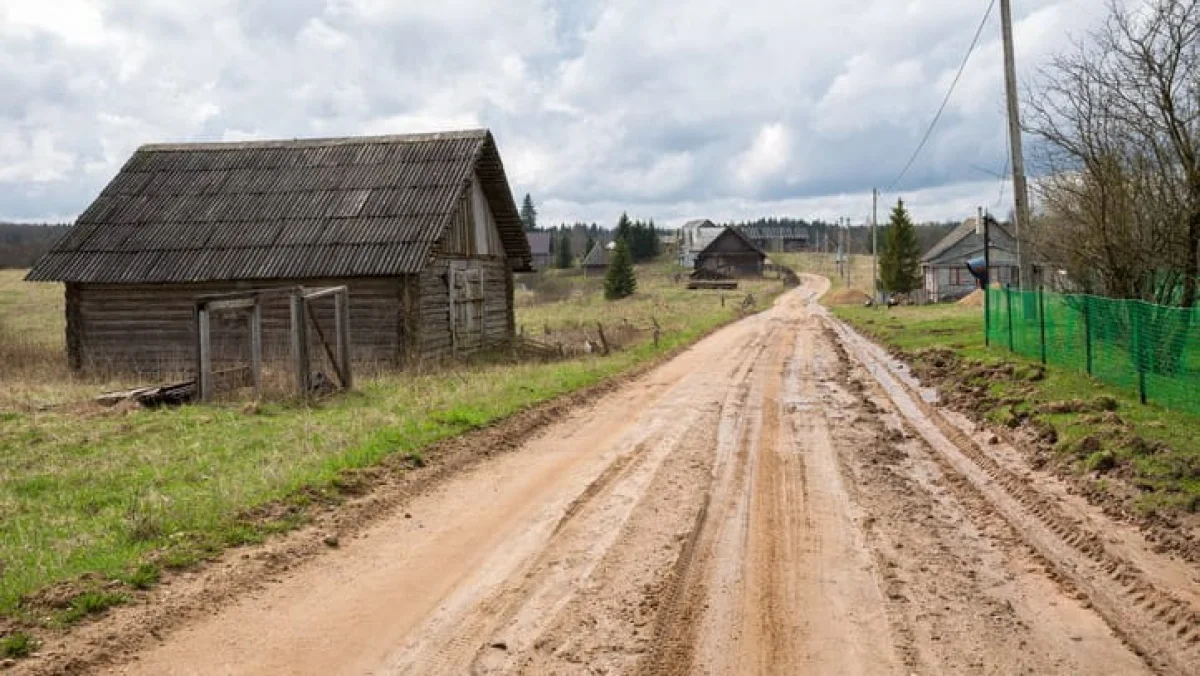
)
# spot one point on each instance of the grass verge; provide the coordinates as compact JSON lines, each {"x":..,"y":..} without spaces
{"x":1144,"y":458}
{"x":95,"y":503}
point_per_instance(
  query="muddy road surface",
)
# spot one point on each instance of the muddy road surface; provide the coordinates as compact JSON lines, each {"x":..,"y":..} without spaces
{"x":779,"y":499}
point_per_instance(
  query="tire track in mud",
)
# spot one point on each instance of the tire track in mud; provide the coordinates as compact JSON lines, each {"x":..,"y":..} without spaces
{"x":1161,"y":628}
{"x":776,"y":578}
{"x":502,"y":631}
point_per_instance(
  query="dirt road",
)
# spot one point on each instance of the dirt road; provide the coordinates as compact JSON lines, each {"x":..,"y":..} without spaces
{"x":776,"y":500}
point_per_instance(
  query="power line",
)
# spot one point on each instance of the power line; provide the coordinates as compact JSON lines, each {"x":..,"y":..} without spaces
{"x":962,"y":67}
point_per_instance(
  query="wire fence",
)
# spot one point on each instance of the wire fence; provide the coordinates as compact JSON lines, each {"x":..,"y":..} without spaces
{"x":1152,"y":350}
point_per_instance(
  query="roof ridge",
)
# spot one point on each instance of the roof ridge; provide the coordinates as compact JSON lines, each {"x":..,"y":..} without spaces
{"x":479,"y":133}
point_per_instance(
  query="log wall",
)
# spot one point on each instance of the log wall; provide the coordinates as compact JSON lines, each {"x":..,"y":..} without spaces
{"x":498,"y":321}
{"x":151,"y":329}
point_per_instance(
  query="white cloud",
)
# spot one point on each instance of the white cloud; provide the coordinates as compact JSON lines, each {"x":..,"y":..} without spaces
{"x":706,"y":108}
{"x":765,"y":158}
{"x":36,"y":160}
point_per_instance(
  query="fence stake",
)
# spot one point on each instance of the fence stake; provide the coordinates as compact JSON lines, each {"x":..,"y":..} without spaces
{"x":1087,"y":330}
{"x":987,"y":313}
{"x":204,"y":372}
{"x":1042,"y":318}
{"x":1137,"y":351}
{"x":256,"y":347}
{"x":1008,"y":302}
{"x":300,"y":343}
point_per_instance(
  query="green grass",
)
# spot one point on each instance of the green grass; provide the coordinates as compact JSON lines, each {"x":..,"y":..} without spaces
{"x":1157,"y":451}
{"x":122,"y":495}
{"x":18,"y":644}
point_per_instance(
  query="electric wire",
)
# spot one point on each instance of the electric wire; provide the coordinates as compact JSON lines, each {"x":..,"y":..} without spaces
{"x":936,"y":118}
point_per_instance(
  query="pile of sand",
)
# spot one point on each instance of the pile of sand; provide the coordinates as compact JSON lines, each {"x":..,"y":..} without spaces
{"x":847,"y":297}
{"x":973,"y":299}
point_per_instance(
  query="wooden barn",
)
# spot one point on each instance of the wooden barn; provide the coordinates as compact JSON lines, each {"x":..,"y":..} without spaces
{"x":422,"y":229}
{"x":731,"y":254}
{"x":598,"y":259}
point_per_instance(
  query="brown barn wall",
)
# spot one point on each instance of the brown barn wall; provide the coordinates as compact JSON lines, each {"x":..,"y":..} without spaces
{"x":499,"y":320}
{"x":152,"y":328}
{"x":740,"y":264}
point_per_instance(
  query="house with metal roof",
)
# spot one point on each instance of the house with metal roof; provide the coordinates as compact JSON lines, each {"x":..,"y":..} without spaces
{"x":421,"y":228}
{"x":945,"y":265}
{"x":694,"y":236}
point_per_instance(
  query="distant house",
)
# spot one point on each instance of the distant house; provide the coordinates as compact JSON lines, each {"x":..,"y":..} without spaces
{"x":539,"y":248}
{"x":598,"y":258}
{"x":945,"y":265}
{"x":422,"y":228}
{"x":778,"y":238}
{"x":693,"y":237}
{"x":731,"y":254}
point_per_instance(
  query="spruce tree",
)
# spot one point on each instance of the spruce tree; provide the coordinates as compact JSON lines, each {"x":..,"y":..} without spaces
{"x":562,"y":252}
{"x":900,"y":260}
{"x":528,"y":213}
{"x":623,"y":228}
{"x":621,"y":281}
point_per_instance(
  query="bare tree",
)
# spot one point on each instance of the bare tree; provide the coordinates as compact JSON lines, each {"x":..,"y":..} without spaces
{"x":1119,"y":118}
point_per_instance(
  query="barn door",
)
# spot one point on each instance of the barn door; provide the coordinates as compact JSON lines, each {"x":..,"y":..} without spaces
{"x":466,"y":306}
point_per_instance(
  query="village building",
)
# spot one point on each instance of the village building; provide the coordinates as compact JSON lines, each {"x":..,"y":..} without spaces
{"x":694,"y":236}
{"x":421,"y":228}
{"x":778,"y":238}
{"x":945,"y":265}
{"x":731,"y":254}
{"x":540,"y":249}
{"x":598,"y":258}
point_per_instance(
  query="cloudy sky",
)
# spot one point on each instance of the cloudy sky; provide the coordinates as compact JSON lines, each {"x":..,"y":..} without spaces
{"x":724,"y":109}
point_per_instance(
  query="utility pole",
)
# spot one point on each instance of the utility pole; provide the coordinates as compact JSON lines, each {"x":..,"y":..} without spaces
{"x":874,"y":247}
{"x":1020,"y":194}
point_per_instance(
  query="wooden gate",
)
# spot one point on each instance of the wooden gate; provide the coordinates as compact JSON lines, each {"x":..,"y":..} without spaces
{"x":466,"y":306}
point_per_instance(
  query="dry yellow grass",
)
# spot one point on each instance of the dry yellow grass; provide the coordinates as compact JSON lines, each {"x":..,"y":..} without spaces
{"x":824,"y":265}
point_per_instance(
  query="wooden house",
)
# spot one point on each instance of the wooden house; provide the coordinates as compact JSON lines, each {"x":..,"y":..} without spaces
{"x":731,"y":254}
{"x":599,"y":257}
{"x":778,"y":238}
{"x":540,"y":250}
{"x":422,"y":228}
{"x":945,"y":265}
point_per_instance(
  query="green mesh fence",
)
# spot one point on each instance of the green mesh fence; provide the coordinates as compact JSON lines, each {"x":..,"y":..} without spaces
{"x":1151,"y":350}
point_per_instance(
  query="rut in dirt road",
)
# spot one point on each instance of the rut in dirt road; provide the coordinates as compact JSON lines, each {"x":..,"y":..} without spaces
{"x":758,"y":505}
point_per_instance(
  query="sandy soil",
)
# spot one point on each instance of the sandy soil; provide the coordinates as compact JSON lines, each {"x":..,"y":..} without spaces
{"x":779,"y":499}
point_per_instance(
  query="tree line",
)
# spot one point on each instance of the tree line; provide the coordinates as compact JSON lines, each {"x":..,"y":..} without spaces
{"x":22,"y":244}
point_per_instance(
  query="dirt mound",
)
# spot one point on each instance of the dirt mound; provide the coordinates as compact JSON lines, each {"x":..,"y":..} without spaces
{"x":847,"y":297}
{"x":973,"y":299}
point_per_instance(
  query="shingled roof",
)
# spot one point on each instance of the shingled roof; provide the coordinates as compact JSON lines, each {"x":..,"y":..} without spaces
{"x":357,"y":207}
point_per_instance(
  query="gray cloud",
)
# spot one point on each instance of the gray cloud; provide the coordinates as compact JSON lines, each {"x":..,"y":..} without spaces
{"x":670,"y":110}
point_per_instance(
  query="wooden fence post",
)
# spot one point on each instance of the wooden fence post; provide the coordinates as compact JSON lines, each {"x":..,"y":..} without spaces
{"x":300,"y":343}
{"x":204,"y":375}
{"x":342,"y":328}
{"x":256,"y":346}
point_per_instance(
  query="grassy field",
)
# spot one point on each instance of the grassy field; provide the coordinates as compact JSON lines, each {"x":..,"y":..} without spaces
{"x":1155,"y":452}
{"x":824,"y":265}
{"x":122,"y":493}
